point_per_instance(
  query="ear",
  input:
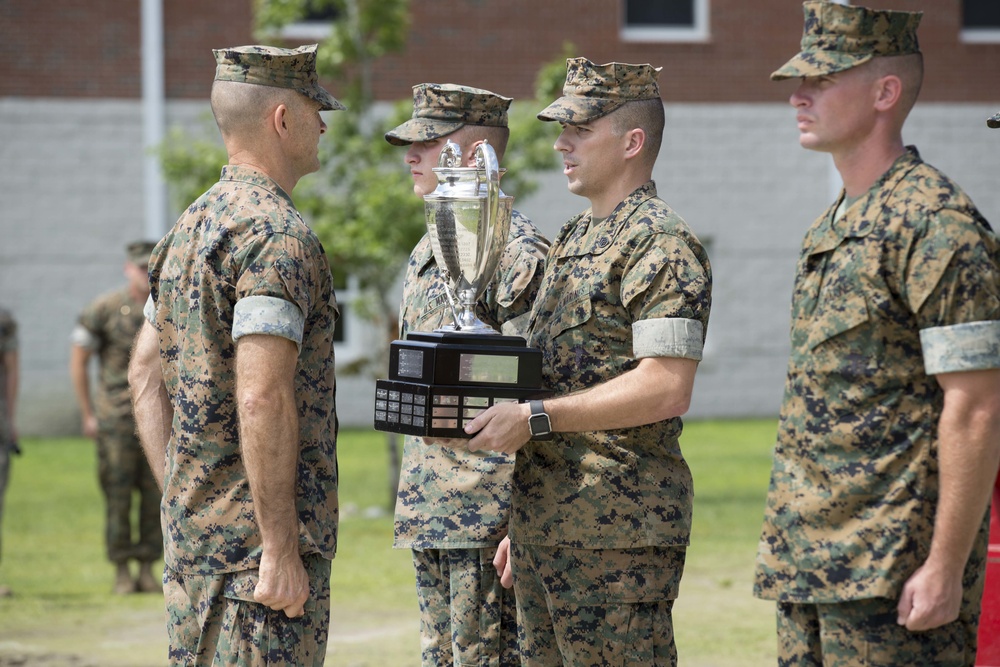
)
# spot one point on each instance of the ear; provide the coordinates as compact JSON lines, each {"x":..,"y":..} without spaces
{"x":888,"y":91}
{"x":470,"y":156}
{"x":635,"y":139}
{"x":278,"y":118}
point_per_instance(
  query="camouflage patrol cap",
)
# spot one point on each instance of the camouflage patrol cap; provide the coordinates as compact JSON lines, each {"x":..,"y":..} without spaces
{"x":138,"y":252}
{"x":838,"y":37}
{"x":994,"y":120}
{"x":592,"y":91}
{"x":440,"y":109}
{"x":273,"y":66}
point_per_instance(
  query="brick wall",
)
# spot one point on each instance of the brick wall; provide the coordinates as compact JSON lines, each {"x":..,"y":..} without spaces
{"x":78,"y":48}
{"x":91,"y":48}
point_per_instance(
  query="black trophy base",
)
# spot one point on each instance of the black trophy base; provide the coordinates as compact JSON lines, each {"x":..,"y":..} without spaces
{"x":440,"y":381}
{"x":438,"y":411}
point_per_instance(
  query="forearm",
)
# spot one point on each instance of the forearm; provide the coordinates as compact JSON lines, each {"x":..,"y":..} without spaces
{"x":269,"y":437}
{"x":151,"y":407}
{"x":968,"y":455}
{"x":79,"y":357}
{"x":13,"y":369}
{"x":657,"y":389}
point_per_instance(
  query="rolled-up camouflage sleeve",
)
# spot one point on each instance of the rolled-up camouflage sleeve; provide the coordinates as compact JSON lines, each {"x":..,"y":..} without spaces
{"x":270,"y":316}
{"x":668,"y":291}
{"x":149,"y":310}
{"x":972,"y":346}
{"x":953,"y":283}
{"x":277,"y":288}
{"x":668,"y":337}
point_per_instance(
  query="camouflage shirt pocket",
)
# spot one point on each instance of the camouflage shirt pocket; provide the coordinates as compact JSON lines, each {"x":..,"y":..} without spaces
{"x":842,"y":342}
{"x":834,"y":316}
{"x":570,"y":314}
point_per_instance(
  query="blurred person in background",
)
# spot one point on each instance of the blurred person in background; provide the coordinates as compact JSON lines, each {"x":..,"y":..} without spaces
{"x":8,"y":406}
{"x":106,"y":329}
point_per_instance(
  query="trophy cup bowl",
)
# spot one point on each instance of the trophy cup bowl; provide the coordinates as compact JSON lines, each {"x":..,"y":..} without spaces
{"x":468,"y":219}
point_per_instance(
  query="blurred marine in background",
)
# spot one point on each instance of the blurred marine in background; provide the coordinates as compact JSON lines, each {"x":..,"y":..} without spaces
{"x":106,"y":329}
{"x":8,"y":404}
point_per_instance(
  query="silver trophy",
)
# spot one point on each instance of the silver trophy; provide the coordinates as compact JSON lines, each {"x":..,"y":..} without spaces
{"x":440,"y":380}
{"x":468,"y":219}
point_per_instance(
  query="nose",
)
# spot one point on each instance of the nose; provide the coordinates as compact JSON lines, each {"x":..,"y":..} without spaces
{"x":561,"y":144}
{"x":412,"y":157}
{"x":322,"y":126}
{"x":799,"y":98}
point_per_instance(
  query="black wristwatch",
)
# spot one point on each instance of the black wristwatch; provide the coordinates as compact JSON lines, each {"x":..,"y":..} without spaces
{"x":538,"y":422}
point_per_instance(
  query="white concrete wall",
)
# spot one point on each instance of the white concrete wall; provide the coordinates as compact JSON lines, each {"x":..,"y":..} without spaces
{"x":70,"y":199}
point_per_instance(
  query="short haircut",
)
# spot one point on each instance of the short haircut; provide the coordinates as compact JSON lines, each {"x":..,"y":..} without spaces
{"x":497,"y":136}
{"x":646,"y":115}
{"x":910,"y":70}
{"x":240,"y":107}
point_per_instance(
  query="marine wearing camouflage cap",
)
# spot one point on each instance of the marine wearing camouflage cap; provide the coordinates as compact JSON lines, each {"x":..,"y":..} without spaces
{"x":592,"y":91}
{"x":273,"y":66}
{"x":138,"y":252}
{"x":838,"y":37}
{"x":440,"y":109}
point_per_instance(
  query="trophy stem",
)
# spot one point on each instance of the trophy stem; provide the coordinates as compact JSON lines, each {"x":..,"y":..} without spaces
{"x":467,"y":319}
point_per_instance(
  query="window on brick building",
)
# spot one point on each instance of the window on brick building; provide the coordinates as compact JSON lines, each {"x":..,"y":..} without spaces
{"x":351,"y":334}
{"x":660,"y":21}
{"x":315,"y":24}
{"x":980,"y":21}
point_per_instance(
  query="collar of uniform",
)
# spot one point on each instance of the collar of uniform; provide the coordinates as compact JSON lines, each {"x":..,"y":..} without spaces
{"x":595,"y":239}
{"x":825,"y":236}
{"x":870,"y":205}
{"x":246,"y":174}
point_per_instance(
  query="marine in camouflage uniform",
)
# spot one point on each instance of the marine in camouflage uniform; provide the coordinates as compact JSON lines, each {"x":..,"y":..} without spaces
{"x":237,"y":356}
{"x":602,"y":513}
{"x":875,"y":531}
{"x":453,"y":505}
{"x":107,"y":328}
{"x":8,"y":395}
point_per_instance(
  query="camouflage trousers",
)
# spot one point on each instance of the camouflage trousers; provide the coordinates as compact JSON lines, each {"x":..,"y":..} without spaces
{"x":124,"y":472}
{"x":213,"y":621}
{"x":864,"y":633}
{"x":467,"y":618}
{"x":609,"y":607}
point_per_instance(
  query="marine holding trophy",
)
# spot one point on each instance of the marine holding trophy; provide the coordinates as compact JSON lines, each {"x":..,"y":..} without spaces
{"x":602,"y":514}
{"x":453,"y":505}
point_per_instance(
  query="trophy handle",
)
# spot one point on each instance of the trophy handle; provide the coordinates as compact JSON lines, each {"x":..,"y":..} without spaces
{"x":486,"y":159}
{"x":451,"y":155}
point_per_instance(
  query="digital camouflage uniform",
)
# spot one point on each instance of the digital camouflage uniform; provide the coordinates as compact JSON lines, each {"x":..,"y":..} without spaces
{"x":890,"y":290}
{"x":241,"y":261}
{"x":107,"y":328}
{"x":453,"y":505}
{"x":601,"y":519}
{"x":8,"y":343}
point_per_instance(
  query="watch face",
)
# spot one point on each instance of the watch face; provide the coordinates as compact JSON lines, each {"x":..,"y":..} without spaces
{"x":539,"y":424}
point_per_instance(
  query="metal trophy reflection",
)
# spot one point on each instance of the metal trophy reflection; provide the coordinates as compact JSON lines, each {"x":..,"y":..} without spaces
{"x":440,"y":380}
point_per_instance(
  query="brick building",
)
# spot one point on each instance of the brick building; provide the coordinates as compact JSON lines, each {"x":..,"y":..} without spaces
{"x":72,"y":147}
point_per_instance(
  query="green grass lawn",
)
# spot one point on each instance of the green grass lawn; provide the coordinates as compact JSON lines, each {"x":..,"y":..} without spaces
{"x":63,"y":612}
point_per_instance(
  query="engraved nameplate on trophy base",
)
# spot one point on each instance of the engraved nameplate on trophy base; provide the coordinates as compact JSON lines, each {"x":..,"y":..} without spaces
{"x":440,"y":381}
